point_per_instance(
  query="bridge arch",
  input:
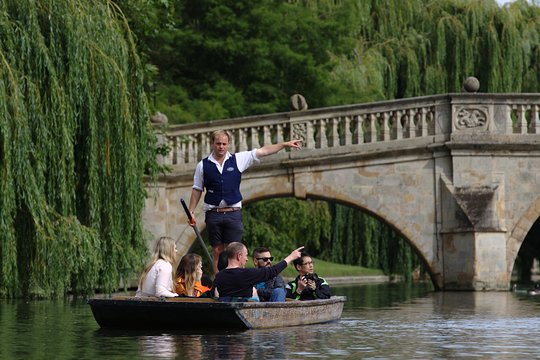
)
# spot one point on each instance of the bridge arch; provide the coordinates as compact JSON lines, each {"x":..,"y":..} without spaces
{"x":520,"y":231}
{"x":400,"y":229}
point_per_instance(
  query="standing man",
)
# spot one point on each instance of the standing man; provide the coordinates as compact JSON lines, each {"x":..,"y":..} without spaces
{"x":272,"y":290}
{"x":307,"y":285}
{"x":220,"y":173}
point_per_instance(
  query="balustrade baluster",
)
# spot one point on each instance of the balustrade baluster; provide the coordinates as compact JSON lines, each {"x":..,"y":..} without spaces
{"x":279,"y":133}
{"x":347,"y":134}
{"x":534,"y":126}
{"x":189,"y":150}
{"x":359,"y":119}
{"x":242,"y":140}
{"x":405,"y":124}
{"x":385,"y":126}
{"x":334,"y":132}
{"x":509,"y":123}
{"x":206,"y":145}
{"x":254,"y":138}
{"x":233,"y":143}
{"x":411,"y":126}
{"x":182,"y":158}
{"x":372,"y":128}
{"x":267,"y":139}
{"x":522,"y":120}
{"x":310,"y":142}
{"x":423,"y":123}
{"x":323,"y":142}
{"x":432,"y":127}
{"x":398,"y":126}
{"x":197,"y":148}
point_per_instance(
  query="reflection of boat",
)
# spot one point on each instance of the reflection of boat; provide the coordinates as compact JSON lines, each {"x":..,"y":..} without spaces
{"x":187,"y":313}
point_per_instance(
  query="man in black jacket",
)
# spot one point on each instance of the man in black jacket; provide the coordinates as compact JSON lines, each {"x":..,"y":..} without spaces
{"x":272,"y":290}
{"x":235,"y":282}
{"x":307,"y":285}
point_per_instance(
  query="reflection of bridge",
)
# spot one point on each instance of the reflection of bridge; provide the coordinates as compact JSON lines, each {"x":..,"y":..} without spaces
{"x":457,"y":175}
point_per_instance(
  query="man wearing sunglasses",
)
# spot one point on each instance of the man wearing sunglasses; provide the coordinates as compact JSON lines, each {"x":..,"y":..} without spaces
{"x":272,"y":290}
{"x":307,"y":285}
{"x":235,"y":282}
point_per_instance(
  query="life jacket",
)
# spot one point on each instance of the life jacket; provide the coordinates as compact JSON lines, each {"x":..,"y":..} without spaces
{"x":180,"y":288}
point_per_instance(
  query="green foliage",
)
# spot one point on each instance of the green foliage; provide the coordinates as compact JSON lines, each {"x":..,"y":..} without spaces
{"x":222,"y":59}
{"x":235,"y":58}
{"x":329,"y":231}
{"x":285,"y":224}
{"x":75,"y":140}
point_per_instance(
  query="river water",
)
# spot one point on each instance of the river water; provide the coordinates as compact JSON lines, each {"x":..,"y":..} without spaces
{"x":382,"y":321}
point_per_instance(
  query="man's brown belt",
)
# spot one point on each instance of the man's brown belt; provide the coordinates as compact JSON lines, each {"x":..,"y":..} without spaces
{"x":225,"y":209}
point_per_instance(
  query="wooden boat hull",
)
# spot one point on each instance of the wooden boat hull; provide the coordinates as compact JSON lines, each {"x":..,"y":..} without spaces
{"x":188,"y":313}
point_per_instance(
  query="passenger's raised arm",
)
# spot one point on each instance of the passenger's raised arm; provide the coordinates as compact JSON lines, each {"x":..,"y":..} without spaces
{"x":294,"y":255}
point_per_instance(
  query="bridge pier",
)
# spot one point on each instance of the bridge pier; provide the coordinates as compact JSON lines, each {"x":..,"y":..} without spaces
{"x":475,"y":261}
{"x":474,"y":237}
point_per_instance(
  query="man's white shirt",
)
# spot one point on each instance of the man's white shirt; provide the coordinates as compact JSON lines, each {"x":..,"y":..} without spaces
{"x":244,"y":159}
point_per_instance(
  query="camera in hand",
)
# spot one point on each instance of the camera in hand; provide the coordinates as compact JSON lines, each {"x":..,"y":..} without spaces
{"x":310,"y":277}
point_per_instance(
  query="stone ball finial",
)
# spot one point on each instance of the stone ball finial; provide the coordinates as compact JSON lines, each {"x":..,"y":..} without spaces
{"x":471,"y":84}
{"x":298,"y":102}
{"x":159,"y":118}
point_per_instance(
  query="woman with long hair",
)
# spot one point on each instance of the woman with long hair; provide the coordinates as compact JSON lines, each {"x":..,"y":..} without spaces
{"x":157,"y":277}
{"x":188,"y":276}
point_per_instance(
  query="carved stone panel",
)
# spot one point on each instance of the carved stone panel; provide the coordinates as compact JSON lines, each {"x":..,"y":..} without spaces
{"x":471,"y":118}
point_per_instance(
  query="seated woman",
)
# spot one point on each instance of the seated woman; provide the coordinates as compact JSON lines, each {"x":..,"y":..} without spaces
{"x":188,"y":277}
{"x":156,"y":279}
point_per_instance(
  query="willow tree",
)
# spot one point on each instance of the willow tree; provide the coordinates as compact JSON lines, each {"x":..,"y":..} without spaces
{"x":424,"y":47}
{"x":74,"y":142}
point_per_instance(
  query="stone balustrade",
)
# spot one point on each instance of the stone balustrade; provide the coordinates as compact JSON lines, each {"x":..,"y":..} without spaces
{"x":386,"y":121}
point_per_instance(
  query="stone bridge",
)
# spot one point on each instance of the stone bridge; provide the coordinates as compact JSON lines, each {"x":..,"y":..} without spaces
{"x":457,"y":175}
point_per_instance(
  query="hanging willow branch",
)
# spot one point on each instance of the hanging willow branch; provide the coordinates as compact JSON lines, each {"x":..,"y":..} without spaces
{"x":425,"y":47}
{"x":74,"y":142}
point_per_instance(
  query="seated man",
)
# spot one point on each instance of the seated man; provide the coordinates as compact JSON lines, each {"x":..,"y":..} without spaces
{"x":272,"y":290}
{"x":307,"y":285}
{"x":235,"y":283}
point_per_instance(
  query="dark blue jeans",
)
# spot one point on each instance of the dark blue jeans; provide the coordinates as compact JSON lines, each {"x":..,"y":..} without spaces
{"x":278,"y":295}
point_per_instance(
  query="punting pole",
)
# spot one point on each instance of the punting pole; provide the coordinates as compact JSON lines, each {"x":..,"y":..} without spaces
{"x":193,"y":224}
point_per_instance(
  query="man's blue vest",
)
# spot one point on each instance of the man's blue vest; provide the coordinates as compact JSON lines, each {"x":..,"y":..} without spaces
{"x":225,"y":186}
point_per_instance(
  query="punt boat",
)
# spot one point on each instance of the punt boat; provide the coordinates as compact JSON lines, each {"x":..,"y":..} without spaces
{"x":129,"y":312}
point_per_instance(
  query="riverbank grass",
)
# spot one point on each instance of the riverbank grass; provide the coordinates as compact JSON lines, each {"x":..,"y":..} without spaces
{"x":330,"y":269}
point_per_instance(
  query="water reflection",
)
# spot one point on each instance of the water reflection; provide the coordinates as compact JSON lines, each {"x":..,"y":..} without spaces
{"x":226,"y":347}
{"x":391,"y":321}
